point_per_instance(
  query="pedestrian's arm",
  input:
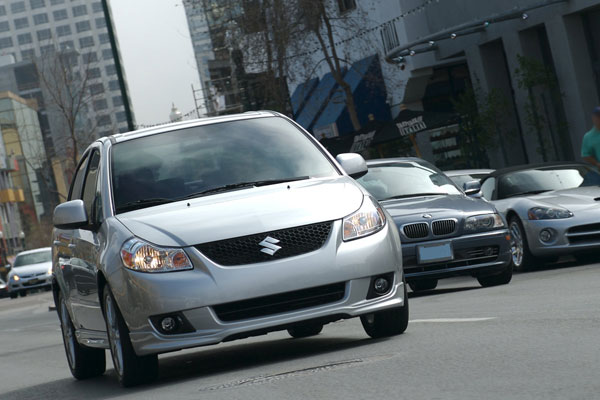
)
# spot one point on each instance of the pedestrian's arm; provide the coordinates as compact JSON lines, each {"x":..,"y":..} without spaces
{"x":591,"y":160}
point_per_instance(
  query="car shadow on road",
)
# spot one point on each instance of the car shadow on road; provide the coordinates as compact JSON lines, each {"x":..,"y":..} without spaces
{"x":176,"y":369}
{"x":437,"y":292}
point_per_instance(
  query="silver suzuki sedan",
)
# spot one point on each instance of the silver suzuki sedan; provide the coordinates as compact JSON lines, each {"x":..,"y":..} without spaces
{"x":207,"y":231}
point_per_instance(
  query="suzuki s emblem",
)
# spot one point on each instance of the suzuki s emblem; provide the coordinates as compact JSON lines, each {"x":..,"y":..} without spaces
{"x":427,"y":216}
{"x":269,"y":245}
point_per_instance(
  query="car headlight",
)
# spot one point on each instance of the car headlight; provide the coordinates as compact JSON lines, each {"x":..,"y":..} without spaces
{"x":144,"y":257}
{"x":368,"y":220}
{"x":49,"y":272}
{"x":485,"y":222}
{"x":537,"y":213}
{"x":16,"y":278}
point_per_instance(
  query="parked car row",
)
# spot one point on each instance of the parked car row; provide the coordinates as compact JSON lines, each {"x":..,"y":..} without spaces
{"x":201,"y":232}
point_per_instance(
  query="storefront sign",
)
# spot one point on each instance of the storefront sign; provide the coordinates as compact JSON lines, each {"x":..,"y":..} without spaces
{"x":362,"y":142}
{"x":414,"y":125}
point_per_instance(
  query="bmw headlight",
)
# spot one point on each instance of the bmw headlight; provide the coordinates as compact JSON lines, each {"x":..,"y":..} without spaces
{"x":485,"y":222}
{"x":368,"y":220}
{"x":144,"y":257}
{"x":537,"y":213}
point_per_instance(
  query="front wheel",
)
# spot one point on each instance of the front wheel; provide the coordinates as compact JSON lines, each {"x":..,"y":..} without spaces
{"x":302,"y":331}
{"x":14,"y":295}
{"x":131,"y":369}
{"x":23,"y":293}
{"x":521,"y":256}
{"x":422,"y":285}
{"x":84,"y":362}
{"x":388,"y":322}
{"x":496,"y":280}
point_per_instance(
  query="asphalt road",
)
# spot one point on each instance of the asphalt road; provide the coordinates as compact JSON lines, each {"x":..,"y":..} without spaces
{"x":537,"y":338}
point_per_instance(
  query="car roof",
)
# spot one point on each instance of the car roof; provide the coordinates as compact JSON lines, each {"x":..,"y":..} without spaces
{"x":459,"y":172}
{"x":24,"y":253}
{"x":504,"y":171}
{"x":122,"y":137}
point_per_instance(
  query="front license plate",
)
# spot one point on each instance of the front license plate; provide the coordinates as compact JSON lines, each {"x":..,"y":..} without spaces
{"x":431,"y":253}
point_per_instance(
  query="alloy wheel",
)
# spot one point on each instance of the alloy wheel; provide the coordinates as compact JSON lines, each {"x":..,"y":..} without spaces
{"x":114,"y":334}
{"x":516,"y":244}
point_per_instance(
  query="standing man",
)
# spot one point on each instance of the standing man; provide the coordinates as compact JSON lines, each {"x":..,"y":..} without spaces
{"x":590,"y":150}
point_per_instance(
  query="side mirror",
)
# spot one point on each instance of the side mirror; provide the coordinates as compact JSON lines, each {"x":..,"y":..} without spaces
{"x":70,"y":215}
{"x":472,"y":188}
{"x":353,"y":164}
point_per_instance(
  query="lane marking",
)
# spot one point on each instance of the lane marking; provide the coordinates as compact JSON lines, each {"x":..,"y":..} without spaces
{"x":450,"y":320}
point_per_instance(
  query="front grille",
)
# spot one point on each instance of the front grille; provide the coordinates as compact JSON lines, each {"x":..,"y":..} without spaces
{"x":585,"y":228}
{"x":280,"y":303}
{"x":247,"y":249}
{"x":584,"y":234}
{"x":416,"y":231}
{"x":443,"y":227}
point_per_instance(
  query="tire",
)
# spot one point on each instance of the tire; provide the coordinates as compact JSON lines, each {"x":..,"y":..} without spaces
{"x":302,"y":331}
{"x":14,"y":295}
{"x":522,"y":259}
{"x":23,"y":293}
{"x":422,"y":285}
{"x":130,"y":368}
{"x":388,"y":322}
{"x":502,"y":278}
{"x":587,"y":258}
{"x":84,"y":362}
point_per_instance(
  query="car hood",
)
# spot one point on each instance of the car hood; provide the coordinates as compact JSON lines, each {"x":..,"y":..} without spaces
{"x":31,"y":269}
{"x":454,"y":206}
{"x":576,"y":199}
{"x":245,"y":212}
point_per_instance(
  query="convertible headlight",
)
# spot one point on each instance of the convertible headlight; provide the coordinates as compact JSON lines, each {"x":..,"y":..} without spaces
{"x":485,"y":222}
{"x":368,"y":220}
{"x":144,"y":257}
{"x":536,"y":213}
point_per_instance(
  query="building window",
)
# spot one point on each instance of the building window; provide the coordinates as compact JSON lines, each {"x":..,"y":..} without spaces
{"x":100,"y":105}
{"x":63,"y":30}
{"x":49,"y":49}
{"x":6,"y":42}
{"x":103,"y":38}
{"x":21,"y":23}
{"x":24,"y":38}
{"x":117,"y":101}
{"x":17,"y":7}
{"x":39,"y":19}
{"x":103,"y":120}
{"x":121,"y":116}
{"x":346,"y":5}
{"x":97,"y":7}
{"x":67,"y":45}
{"x":44,"y":34}
{"x":96,"y":89}
{"x":2,"y":10}
{"x":55,"y":2}
{"x":107,"y":54}
{"x":78,"y":11}
{"x":28,"y":54}
{"x":114,"y":85}
{"x":37,"y":4}
{"x":111,"y":70}
{"x":89,"y":58}
{"x":60,"y":15}
{"x":83,"y":26}
{"x":94,"y":73}
{"x":4,"y":26}
{"x":87,"y":41}
{"x":100,"y":23}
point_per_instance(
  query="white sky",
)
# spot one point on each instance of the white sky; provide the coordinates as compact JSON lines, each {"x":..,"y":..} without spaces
{"x":158,"y":57}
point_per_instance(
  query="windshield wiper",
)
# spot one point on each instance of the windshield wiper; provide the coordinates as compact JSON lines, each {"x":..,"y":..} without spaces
{"x":142,"y":203}
{"x":407,"y":196}
{"x":526,"y":193}
{"x":241,"y":185}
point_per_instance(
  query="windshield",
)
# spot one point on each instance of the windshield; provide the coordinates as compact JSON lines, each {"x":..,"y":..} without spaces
{"x":546,"y":179}
{"x":406,"y":180}
{"x":175,"y":165}
{"x":33,"y":258}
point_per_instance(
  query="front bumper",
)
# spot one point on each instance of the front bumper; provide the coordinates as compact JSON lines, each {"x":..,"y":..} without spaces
{"x":33,"y":282}
{"x":197,"y":293}
{"x":478,"y":254}
{"x":577,"y":234}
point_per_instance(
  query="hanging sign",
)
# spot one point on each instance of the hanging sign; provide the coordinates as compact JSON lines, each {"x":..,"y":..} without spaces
{"x":362,"y":142}
{"x":411,"y":126}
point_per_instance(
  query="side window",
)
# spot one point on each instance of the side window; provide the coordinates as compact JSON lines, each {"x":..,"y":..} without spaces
{"x":77,"y":184}
{"x":90,"y":185}
{"x":487,"y":188}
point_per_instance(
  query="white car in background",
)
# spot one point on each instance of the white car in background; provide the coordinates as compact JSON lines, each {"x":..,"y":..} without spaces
{"x":32,"y":269}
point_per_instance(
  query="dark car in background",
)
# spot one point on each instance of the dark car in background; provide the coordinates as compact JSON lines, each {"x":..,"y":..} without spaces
{"x":444,"y":232}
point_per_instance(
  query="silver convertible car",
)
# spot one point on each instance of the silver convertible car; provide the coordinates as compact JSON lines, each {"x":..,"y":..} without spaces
{"x":207,"y":231}
{"x":552,"y":210}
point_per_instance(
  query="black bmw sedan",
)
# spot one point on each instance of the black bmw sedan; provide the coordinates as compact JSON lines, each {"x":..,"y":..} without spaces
{"x":443,"y":231}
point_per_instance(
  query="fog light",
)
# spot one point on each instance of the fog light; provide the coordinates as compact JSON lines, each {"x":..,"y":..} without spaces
{"x":168,"y":324}
{"x":381,"y":285}
{"x":546,"y":235}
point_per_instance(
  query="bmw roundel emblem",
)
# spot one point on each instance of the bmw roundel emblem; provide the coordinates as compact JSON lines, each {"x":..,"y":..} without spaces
{"x":427,"y":216}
